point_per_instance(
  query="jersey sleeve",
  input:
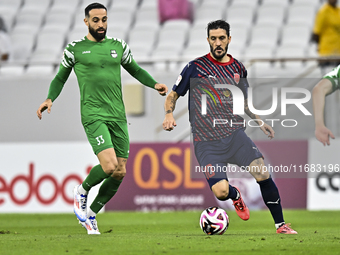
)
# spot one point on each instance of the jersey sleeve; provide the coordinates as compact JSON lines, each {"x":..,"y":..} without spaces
{"x":243,"y":84}
{"x":127,"y":55}
{"x":182,"y":84}
{"x":64,"y":71}
{"x":334,"y":77}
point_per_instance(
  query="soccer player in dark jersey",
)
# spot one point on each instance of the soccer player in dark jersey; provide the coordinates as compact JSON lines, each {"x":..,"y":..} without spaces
{"x":97,"y":60}
{"x":220,"y":145}
{"x":329,"y":84}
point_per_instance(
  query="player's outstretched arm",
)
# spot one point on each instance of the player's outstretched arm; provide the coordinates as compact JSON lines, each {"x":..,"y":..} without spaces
{"x":267,"y":130}
{"x":320,"y":91}
{"x":161,"y":88}
{"x":47,"y":104}
{"x":170,"y":102}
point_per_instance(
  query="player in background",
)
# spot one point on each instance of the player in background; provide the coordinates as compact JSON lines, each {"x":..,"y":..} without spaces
{"x":329,"y":83}
{"x":97,"y":60}
{"x":223,"y":144}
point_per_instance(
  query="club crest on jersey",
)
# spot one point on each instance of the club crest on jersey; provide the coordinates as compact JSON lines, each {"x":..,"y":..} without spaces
{"x":114,"y":53}
{"x":236,"y":78}
{"x":226,"y":93}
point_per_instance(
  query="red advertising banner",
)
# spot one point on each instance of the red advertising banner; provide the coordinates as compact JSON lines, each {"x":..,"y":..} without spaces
{"x":158,"y":179}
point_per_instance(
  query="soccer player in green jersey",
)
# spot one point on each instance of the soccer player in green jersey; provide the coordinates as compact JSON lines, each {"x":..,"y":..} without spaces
{"x":96,"y":60}
{"x":329,"y":83}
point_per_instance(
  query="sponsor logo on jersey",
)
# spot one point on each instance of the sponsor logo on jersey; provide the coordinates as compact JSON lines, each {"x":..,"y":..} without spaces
{"x":236,"y":78}
{"x":114,"y":53}
{"x":178,"y":80}
{"x":86,"y":52}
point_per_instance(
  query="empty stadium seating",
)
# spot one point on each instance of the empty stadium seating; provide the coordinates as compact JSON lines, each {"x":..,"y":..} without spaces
{"x":259,"y":28}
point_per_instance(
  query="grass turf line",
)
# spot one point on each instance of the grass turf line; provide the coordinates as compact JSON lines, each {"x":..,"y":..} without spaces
{"x":168,"y":233}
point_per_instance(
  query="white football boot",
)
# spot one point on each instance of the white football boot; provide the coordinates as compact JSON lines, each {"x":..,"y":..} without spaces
{"x":79,"y":204}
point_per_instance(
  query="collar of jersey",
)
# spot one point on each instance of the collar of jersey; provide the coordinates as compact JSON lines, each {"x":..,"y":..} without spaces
{"x":87,"y":39}
{"x":219,"y":63}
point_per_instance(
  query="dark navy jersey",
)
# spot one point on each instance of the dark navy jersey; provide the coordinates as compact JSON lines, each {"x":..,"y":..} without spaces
{"x":211,"y":108}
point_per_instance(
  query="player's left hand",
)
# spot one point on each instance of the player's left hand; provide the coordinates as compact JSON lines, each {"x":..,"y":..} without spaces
{"x":268,"y":130}
{"x":161,"y":88}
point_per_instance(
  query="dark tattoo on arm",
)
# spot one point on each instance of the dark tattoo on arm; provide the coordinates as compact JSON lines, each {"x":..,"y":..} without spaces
{"x":172,"y":103}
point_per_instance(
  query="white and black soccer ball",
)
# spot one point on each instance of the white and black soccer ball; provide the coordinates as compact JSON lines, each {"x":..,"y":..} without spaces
{"x":214,"y":221}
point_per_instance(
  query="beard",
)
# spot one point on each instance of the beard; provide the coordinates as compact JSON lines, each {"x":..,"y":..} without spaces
{"x":218,"y":57}
{"x":97,"y":36}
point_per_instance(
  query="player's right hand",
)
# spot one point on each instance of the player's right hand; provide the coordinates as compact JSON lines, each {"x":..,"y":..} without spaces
{"x":322,"y":133}
{"x":169,"y":122}
{"x":47,"y":104}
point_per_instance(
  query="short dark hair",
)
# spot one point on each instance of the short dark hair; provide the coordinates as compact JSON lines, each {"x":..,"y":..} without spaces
{"x":93,"y":6}
{"x":218,"y":24}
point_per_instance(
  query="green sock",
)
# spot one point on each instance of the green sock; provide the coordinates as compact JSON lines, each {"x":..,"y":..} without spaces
{"x":95,"y":176}
{"x":105,"y":193}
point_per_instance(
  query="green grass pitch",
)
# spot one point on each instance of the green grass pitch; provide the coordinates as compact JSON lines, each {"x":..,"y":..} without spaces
{"x":168,"y":233}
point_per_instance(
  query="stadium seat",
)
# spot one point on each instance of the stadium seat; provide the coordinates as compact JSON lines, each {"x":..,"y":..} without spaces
{"x":295,"y":34}
{"x":85,"y":3}
{"x":221,"y":4}
{"x":240,"y":15}
{"x":142,"y":39}
{"x":273,"y":14}
{"x":176,"y":25}
{"x":13,"y":5}
{"x":77,"y":34}
{"x":265,"y":36}
{"x":67,"y":4}
{"x":61,"y":30}
{"x":120,"y":17}
{"x":282,"y":3}
{"x":147,"y":17}
{"x":301,"y":14}
{"x":38,"y":70}
{"x":8,"y":15}
{"x":22,"y":45}
{"x":48,"y":48}
{"x":38,"y":4}
{"x":258,"y":51}
{"x":244,"y":3}
{"x":195,"y":51}
{"x":24,"y":29}
{"x":32,"y":17}
{"x":59,"y":19}
{"x":314,"y":3}
{"x":203,"y":16}
{"x":132,"y":4}
{"x":239,"y":36}
{"x":148,"y":4}
{"x":291,"y":51}
{"x":12,"y":71}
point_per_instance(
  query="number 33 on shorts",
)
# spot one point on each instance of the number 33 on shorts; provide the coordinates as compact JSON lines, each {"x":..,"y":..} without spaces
{"x":100,"y":140}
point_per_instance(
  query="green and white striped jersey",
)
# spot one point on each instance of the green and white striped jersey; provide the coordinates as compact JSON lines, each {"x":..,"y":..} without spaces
{"x":97,"y":66}
{"x":334,"y":77}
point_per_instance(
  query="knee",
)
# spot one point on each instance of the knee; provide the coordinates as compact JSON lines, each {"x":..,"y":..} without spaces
{"x":221,"y":194}
{"x":110,"y":166}
{"x":120,"y":172}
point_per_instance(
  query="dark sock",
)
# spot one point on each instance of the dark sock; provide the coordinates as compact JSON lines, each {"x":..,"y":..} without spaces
{"x":271,"y":198}
{"x":95,"y":176}
{"x":233,"y":194}
{"x":106,"y":191}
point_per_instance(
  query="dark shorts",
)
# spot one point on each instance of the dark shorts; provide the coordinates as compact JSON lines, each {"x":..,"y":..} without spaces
{"x":103,"y":135}
{"x":237,"y":149}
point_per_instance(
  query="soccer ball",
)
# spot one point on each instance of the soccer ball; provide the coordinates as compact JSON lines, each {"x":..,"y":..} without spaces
{"x":214,"y":220}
